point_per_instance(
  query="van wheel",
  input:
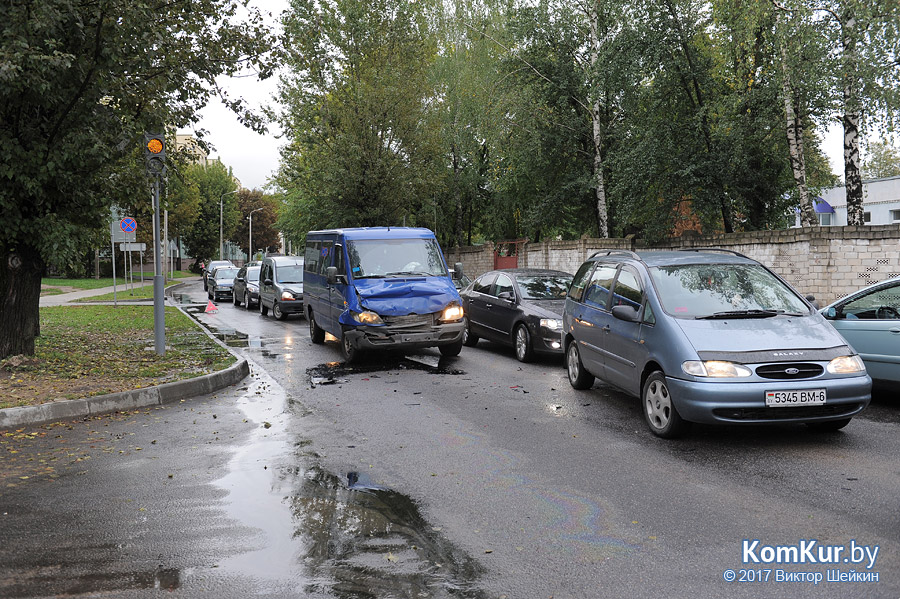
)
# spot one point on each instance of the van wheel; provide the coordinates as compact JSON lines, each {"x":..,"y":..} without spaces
{"x":348,"y":350}
{"x":262,"y":308}
{"x":448,"y":351}
{"x":659,"y":409}
{"x":524,"y":351}
{"x":470,"y":339}
{"x":579,"y":378}
{"x":277,"y":312}
{"x":316,"y":333}
{"x":830,"y":426}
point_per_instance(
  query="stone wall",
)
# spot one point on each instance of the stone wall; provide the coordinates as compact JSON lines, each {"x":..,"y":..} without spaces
{"x":828,"y":262}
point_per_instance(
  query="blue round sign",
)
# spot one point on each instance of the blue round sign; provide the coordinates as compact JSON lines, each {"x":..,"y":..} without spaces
{"x":128,"y":224}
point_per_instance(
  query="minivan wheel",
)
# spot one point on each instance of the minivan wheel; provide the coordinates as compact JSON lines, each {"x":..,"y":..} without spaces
{"x":659,"y":410}
{"x":277,"y":312}
{"x":829,"y":426}
{"x":316,"y":333}
{"x":579,"y":378}
{"x":262,"y":308}
{"x":348,"y":350}
{"x":524,"y":351}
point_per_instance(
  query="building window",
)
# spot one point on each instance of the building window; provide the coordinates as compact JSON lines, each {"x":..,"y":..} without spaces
{"x":895,"y":216}
{"x":824,"y":219}
{"x":867,"y":217}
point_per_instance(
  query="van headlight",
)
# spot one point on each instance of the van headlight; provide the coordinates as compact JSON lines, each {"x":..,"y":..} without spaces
{"x":287,"y":295}
{"x":366,"y":317}
{"x":452,"y":313}
{"x":715,"y":369}
{"x":846,"y":365}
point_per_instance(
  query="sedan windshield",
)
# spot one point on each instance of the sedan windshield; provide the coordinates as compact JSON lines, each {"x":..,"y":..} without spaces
{"x":724,"y":291}
{"x":225,"y":273}
{"x":252,"y":275}
{"x":384,"y":258}
{"x":544,"y":287}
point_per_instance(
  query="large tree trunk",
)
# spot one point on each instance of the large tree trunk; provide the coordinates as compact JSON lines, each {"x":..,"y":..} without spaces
{"x":796,"y":148}
{"x":852,"y":176}
{"x":20,"y":294}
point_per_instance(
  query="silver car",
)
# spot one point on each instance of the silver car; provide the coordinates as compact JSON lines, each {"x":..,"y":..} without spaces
{"x":869,"y":320}
{"x":708,"y":336}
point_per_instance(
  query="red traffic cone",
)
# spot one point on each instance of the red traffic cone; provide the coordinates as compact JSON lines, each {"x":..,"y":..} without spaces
{"x":211,"y":308}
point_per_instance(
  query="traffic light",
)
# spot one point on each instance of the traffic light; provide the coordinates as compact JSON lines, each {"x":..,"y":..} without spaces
{"x":155,"y":153}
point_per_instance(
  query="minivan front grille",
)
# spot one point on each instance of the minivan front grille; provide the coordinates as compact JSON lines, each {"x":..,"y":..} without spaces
{"x":789,"y":371}
{"x":410,"y":321}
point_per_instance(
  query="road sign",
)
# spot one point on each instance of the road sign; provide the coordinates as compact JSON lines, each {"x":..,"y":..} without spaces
{"x":132,"y":247}
{"x":118,"y":235}
{"x":128,"y":224}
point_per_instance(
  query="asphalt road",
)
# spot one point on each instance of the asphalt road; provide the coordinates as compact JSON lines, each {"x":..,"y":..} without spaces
{"x":415,"y":476}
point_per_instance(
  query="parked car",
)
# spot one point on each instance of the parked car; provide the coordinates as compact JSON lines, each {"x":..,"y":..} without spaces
{"x":221,"y":282}
{"x":281,"y":286}
{"x":381,"y":288}
{"x":211,"y":267}
{"x":869,"y":319}
{"x":246,"y":286}
{"x":521,"y":307}
{"x":708,"y":336}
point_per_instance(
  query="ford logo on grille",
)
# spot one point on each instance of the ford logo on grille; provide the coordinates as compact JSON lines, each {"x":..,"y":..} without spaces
{"x":792,"y":371}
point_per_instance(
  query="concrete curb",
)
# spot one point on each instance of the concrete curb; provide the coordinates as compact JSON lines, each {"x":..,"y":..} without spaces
{"x":71,"y":409}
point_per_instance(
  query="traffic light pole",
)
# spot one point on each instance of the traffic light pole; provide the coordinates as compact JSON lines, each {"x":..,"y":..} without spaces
{"x":159,"y":311}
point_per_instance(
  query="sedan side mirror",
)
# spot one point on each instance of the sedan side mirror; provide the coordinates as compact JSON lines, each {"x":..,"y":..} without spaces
{"x":626,"y":313}
{"x":506,"y":295}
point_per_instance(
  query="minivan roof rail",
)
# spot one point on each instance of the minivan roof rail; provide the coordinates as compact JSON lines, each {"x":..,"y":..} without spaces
{"x":726,"y":251}
{"x":609,"y":252}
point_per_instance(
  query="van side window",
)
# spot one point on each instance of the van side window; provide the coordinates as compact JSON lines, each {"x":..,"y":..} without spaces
{"x":311,"y":257}
{"x":597,"y":292}
{"x":339,"y":259}
{"x":576,"y":290}
{"x":628,"y":290}
{"x":325,"y":256}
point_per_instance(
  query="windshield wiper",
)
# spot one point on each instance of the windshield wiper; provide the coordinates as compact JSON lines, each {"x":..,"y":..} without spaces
{"x":414,"y":273}
{"x":740,"y":314}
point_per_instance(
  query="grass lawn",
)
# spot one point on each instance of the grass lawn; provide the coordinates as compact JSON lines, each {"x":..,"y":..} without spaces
{"x":79,"y":284}
{"x":124,"y":293}
{"x":92,"y":350}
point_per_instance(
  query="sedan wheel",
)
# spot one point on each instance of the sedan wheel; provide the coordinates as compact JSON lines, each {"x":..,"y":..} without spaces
{"x":524,"y":351}
{"x":262,"y":308}
{"x":579,"y":378}
{"x":235,"y":298}
{"x":247,"y":299}
{"x":659,"y":409}
{"x":470,"y":339}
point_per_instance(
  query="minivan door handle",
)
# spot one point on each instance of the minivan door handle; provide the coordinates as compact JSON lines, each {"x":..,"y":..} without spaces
{"x":605,"y":329}
{"x":895,"y":331}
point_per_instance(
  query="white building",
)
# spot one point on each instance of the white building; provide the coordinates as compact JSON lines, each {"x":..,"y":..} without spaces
{"x":881,"y":203}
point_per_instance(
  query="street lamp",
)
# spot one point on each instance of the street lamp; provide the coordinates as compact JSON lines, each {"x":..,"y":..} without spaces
{"x":250,"y":246}
{"x":221,"y":241}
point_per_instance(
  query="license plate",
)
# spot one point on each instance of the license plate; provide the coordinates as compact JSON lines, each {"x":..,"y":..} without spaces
{"x":806,"y":397}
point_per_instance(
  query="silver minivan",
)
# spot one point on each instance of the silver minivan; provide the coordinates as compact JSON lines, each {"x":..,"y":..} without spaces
{"x":708,"y":336}
{"x":281,"y":286}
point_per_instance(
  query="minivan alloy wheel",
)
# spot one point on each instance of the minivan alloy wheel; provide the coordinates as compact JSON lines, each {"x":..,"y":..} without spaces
{"x":659,"y":410}
{"x":579,"y":378}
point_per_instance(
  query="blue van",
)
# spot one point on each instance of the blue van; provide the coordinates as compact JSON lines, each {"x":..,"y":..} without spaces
{"x":381,"y":288}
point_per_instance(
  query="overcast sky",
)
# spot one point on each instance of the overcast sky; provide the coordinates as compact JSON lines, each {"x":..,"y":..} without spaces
{"x":254,"y":157}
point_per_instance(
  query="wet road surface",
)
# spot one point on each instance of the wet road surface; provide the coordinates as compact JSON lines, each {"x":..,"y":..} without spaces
{"x":416,"y":476}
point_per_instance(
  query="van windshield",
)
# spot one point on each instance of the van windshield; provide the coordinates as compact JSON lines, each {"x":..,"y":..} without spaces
{"x":386,"y":258}
{"x":724,"y":291}
{"x":290,"y":273}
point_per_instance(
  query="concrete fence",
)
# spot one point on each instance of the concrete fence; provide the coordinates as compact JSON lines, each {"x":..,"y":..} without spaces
{"x":828,"y":262}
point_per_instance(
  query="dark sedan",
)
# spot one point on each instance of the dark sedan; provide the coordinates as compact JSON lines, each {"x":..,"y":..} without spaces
{"x":221,"y":282}
{"x":246,"y":286}
{"x":521,"y":307}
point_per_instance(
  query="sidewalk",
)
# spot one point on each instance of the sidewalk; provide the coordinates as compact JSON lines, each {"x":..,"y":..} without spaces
{"x":122,"y":292}
{"x":124,"y":400}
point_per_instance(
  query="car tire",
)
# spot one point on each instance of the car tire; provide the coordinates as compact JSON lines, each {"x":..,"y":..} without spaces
{"x":659,"y":410}
{"x":262,"y":308}
{"x":236,"y":299}
{"x":829,"y":426}
{"x":522,"y":340}
{"x":247,"y":302}
{"x":470,"y":339}
{"x":448,"y":351}
{"x":316,"y":333}
{"x":579,"y":378}
{"x":277,"y":312}
{"x":348,"y":350}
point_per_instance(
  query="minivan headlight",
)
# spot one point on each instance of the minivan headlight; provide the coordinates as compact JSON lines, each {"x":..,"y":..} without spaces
{"x":452,"y":312}
{"x":715,"y":369}
{"x":287,"y":295}
{"x":846,"y":365}
{"x":366,"y":317}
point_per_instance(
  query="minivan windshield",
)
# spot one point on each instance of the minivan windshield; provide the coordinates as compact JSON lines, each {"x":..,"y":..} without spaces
{"x":709,"y":291}
{"x":386,"y":258}
{"x":290,"y":273}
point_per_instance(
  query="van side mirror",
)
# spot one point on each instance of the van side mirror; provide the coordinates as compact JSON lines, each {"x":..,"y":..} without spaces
{"x":267,"y":282}
{"x":458,"y":270}
{"x":626,"y":313}
{"x":812,"y":299}
{"x":331,"y":275}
